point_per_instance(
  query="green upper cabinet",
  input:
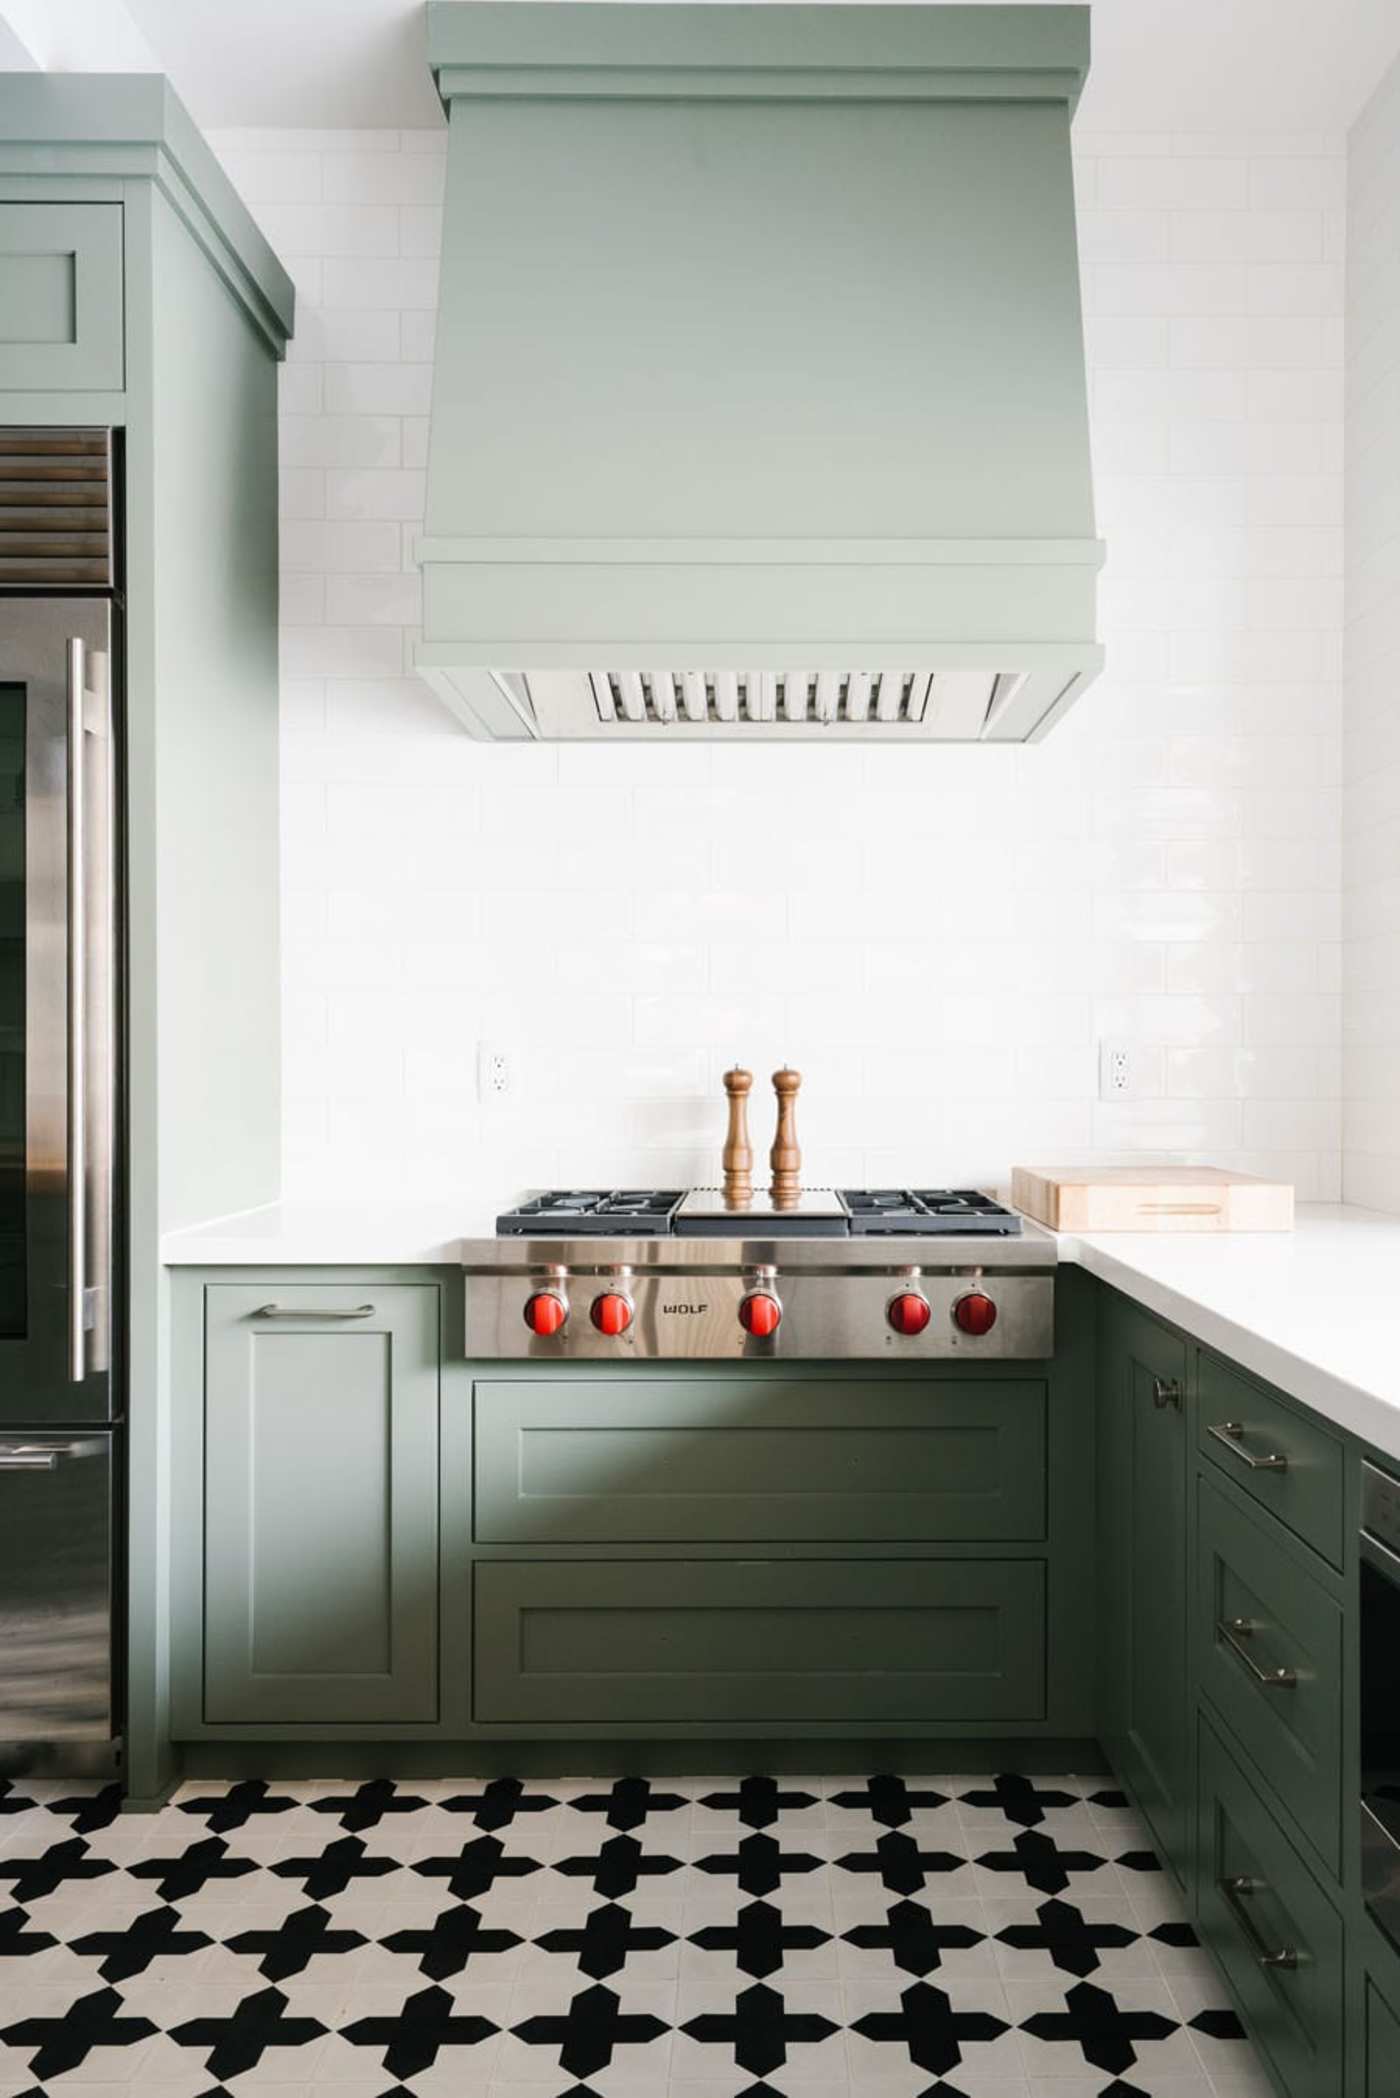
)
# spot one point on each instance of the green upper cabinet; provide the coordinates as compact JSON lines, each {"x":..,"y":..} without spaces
{"x":1144,"y":1454}
{"x":61,"y":322}
{"x":321,"y":1492}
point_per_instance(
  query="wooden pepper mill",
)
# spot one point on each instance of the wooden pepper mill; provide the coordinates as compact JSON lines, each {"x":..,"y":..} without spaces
{"x":737,"y":1155}
{"x":786,"y":1157}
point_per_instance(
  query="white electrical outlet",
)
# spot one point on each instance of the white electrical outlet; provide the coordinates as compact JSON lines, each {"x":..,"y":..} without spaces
{"x":493,"y":1072}
{"x":1116,"y":1072}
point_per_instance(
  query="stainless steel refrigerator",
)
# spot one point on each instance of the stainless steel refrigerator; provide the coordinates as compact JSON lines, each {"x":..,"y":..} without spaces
{"x":60,"y":1333}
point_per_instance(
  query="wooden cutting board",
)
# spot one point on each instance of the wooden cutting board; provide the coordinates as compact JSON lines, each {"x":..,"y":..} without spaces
{"x":1150,"y":1198}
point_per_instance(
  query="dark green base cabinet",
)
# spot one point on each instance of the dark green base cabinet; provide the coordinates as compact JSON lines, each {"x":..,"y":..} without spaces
{"x":758,"y":1641}
{"x":1272,"y":1928}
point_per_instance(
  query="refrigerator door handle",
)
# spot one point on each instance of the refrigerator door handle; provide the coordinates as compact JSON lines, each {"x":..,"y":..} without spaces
{"x":87,"y":730}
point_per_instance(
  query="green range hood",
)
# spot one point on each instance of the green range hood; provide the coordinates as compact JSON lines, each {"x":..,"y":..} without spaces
{"x":759,"y":344}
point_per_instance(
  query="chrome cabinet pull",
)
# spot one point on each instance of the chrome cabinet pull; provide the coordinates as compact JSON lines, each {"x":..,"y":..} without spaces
{"x":1232,"y":1632}
{"x":19,"y":1459}
{"x":287,"y":1311}
{"x":1231,"y":1433}
{"x":1166,"y":1392}
{"x":77,"y":1019}
{"x":1237,"y":1892}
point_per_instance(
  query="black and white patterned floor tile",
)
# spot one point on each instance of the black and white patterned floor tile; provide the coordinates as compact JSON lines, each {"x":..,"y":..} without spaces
{"x":885,"y":1937}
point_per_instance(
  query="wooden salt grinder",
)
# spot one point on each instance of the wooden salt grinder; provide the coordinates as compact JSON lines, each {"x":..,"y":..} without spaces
{"x":737,"y":1155}
{"x":786,"y":1157}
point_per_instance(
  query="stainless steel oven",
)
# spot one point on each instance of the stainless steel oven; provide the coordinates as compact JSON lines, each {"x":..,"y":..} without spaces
{"x":1380,"y":1697}
{"x":60,"y":1387}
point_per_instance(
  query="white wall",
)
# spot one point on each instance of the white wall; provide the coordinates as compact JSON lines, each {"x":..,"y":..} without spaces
{"x":938,"y":938}
{"x":1372,"y":795}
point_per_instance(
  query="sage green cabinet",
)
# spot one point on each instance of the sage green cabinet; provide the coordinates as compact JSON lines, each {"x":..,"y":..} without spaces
{"x":678,"y":1460}
{"x":1269,"y":1656}
{"x":1282,"y":1458}
{"x":1271,"y":1926}
{"x":321,"y":1503}
{"x":61,"y":319}
{"x":1382,"y":2046}
{"x":760,"y":1641}
{"x":1143,"y":1483}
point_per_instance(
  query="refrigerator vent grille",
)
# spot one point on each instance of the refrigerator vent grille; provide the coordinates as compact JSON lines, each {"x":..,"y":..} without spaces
{"x":55,"y":508}
{"x":954,"y":702}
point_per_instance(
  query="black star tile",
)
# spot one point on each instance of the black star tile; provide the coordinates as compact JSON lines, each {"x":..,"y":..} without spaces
{"x":760,"y":1865}
{"x":12,"y":1800}
{"x":619,"y":1867}
{"x":498,"y":1803}
{"x":758,"y":1802}
{"x":335,"y":1868}
{"x":1178,"y":1935}
{"x":90,"y":1811}
{"x":628,"y":1803}
{"x":888,"y":1800}
{"x":413,"y":2040}
{"x":1072,"y":1944}
{"x":928,"y":2027}
{"x":1040,"y":1861}
{"x":35,"y":1877}
{"x":156,"y":1935}
{"x":1217,"y":2025}
{"x":758,"y":2029}
{"x":606,"y":1941}
{"x":289,"y":1949}
{"x":368,"y":1804}
{"x":61,"y":2044}
{"x":1018,"y":1799}
{"x":17,"y":1940}
{"x":915,"y":1943}
{"x":1109,"y":1798}
{"x":1140,"y":1860}
{"x":1103,"y":2033}
{"x":222,"y":1812}
{"x":588,"y":2033}
{"x":453,"y":1939}
{"x":901,"y":1864}
{"x":759,"y":1939}
{"x":179,"y":1877}
{"x":238,"y":2043}
{"x":476,"y":1868}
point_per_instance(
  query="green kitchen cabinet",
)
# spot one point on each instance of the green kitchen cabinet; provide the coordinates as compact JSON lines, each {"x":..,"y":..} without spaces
{"x":674,"y":1460}
{"x":321,"y":1503}
{"x":1144,"y":1453}
{"x":1382,"y":2058}
{"x":752,"y":1641}
{"x":61,"y":320}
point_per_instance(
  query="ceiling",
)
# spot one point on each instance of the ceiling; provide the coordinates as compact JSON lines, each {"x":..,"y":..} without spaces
{"x":1180,"y":65}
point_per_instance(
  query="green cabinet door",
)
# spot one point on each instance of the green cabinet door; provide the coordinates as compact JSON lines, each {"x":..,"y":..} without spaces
{"x":1382,"y":2045}
{"x":321,"y":1491}
{"x":1144,"y":1458}
{"x":61,"y":319}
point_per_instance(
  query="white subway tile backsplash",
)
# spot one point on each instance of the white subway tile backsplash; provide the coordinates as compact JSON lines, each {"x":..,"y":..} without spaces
{"x":921,"y":931}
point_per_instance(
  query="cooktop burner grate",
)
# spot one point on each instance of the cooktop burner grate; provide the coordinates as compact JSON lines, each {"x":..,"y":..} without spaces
{"x":893,"y":1212}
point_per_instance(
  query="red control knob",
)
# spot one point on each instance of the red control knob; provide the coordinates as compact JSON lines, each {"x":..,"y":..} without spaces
{"x":908,"y":1313}
{"x":975,"y":1313}
{"x":760,"y":1314}
{"x":545,"y":1313}
{"x":611,"y":1313}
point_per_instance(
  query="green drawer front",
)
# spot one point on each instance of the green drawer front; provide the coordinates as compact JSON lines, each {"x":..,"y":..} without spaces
{"x":760,"y":1641}
{"x":663,"y":1461}
{"x":61,"y":321}
{"x":1382,"y":2046}
{"x":1258,"y":1611}
{"x":1243,"y":1426}
{"x":1294,"y":2011}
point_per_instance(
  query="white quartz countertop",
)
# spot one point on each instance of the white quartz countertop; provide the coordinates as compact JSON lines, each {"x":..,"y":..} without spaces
{"x":1315,"y":1310}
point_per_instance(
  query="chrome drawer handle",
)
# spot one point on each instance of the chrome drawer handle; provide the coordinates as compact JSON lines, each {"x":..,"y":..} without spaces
{"x":24,"y":1460}
{"x":287,"y":1311}
{"x":1237,"y":1892}
{"x":1166,"y":1392}
{"x":1232,"y":1632}
{"x":1231,"y":1433}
